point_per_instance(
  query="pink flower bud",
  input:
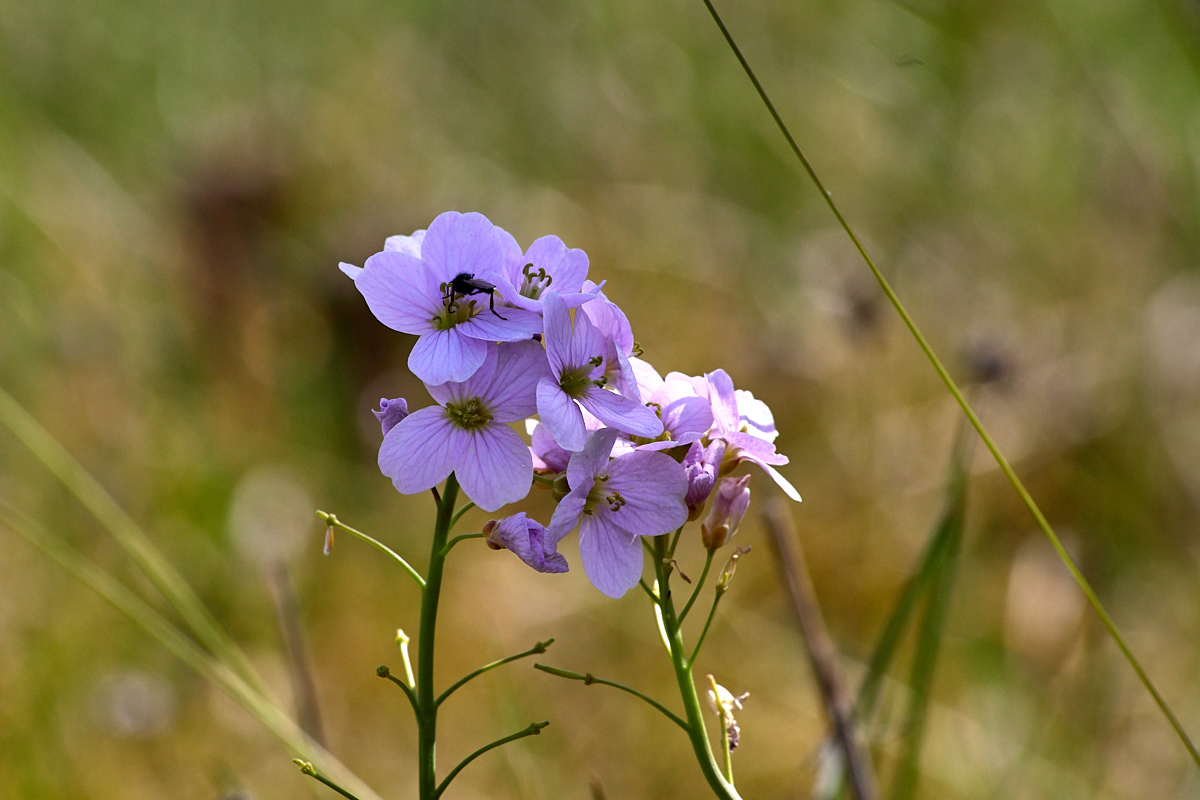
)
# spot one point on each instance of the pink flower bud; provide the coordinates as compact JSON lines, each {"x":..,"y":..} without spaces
{"x":730,"y":502}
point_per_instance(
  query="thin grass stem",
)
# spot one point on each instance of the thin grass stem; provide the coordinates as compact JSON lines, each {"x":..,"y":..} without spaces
{"x":1001,"y":461}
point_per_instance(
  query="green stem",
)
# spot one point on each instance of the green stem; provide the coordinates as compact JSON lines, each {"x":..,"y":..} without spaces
{"x":427,"y":787}
{"x":538,"y":648}
{"x":450,"y":545}
{"x":697,"y":733}
{"x":588,"y":679}
{"x":717,"y":593}
{"x":332,"y":521}
{"x":383,"y":672}
{"x":308,"y":769}
{"x":708,"y":559}
{"x":458,"y":514}
{"x":1001,"y":461}
{"x":533,"y":730}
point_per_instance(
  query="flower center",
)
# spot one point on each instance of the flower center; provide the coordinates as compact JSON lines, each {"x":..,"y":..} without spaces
{"x":599,"y":495}
{"x":534,"y":282}
{"x":468,"y":415}
{"x":576,"y":382}
{"x":665,"y":436}
{"x":453,"y":310}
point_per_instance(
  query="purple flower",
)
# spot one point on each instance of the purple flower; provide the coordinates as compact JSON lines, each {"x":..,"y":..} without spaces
{"x":686,"y":416}
{"x":547,"y":263}
{"x":577,"y":365}
{"x":745,"y":439}
{"x":728,"y":509}
{"x":415,"y":294}
{"x":466,"y":433}
{"x":614,"y":502}
{"x":390,"y":412}
{"x":528,"y":540}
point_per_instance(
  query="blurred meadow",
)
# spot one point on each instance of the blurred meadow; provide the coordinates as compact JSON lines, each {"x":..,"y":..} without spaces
{"x":178,"y":182}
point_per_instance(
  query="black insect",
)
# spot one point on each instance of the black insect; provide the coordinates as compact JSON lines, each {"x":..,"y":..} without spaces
{"x":464,"y":284}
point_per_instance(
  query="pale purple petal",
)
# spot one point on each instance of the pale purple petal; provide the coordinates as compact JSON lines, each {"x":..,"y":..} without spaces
{"x":351,"y":271}
{"x":586,"y":343}
{"x":647,"y":377}
{"x":567,"y":267}
{"x":724,"y":401}
{"x":557,"y":333}
{"x":496,"y":468}
{"x":687,"y":418}
{"x":560,"y":415}
{"x":609,"y":319}
{"x":421,"y":451}
{"x":517,"y":324}
{"x":456,"y":243}
{"x":751,"y":448}
{"x":569,"y":510}
{"x":397,"y":288}
{"x":653,"y":485}
{"x":592,"y":459}
{"x":510,"y":390}
{"x":443,"y":356}
{"x":756,"y":416}
{"x":612,"y":559}
{"x":406,"y":244}
{"x":622,"y":413}
{"x":782,"y":482}
{"x":700,"y":465}
{"x":546,"y":452}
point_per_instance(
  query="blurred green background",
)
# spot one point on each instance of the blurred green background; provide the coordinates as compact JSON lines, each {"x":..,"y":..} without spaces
{"x":179,"y":181}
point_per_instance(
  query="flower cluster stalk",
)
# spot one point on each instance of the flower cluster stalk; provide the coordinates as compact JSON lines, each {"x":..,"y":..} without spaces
{"x":681,"y":663}
{"x":430,"y":595}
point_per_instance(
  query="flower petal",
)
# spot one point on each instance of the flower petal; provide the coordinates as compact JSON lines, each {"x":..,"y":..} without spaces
{"x":495,"y":468}
{"x":421,"y":450}
{"x":622,"y":413}
{"x":560,"y":415}
{"x":517,"y":324}
{"x":456,"y":243}
{"x":592,"y":459}
{"x":653,"y":486}
{"x":442,"y":356}
{"x":567,"y":267}
{"x":399,"y":291}
{"x":510,"y":390}
{"x":612,"y":559}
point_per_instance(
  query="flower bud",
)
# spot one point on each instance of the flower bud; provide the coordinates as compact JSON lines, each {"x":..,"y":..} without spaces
{"x":700,"y":465}
{"x":390,"y":412}
{"x":729,"y":507}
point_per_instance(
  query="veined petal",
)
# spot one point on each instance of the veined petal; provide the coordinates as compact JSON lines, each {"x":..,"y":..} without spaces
{"x":622,"y":413}
{"x":752,"y":448}
{"x":517,"y":324}
{"x":557,"y":333}
{"x":396,"y":287}
{"x":456,"y":243}
{"x":687,"y":415}
{"x":567,"y":513}
{"x":567,"y":267}
{"x":349,"y":270}
{"x":462,"y":391}
{"x":443,"y":356}
{"x":592,"y":459}
{"x":510,"y":390}
{"x":421,"y":450}
{"x":724,"y":401}
{"x":653,"y":486}
{"x":782,"y":482}
{"x":612,"y":559}
{"x":496,"y":468}
{"x":406,"y":244}
{"x":560,"y":415}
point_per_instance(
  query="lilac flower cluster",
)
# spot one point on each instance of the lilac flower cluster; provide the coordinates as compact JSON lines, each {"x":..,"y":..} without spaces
{"x":504,"y":334}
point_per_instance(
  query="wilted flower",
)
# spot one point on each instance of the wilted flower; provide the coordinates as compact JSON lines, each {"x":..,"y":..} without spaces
{"x":390,"y":412}
{"x":529,"y":541}
{"x":723,"y":703}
